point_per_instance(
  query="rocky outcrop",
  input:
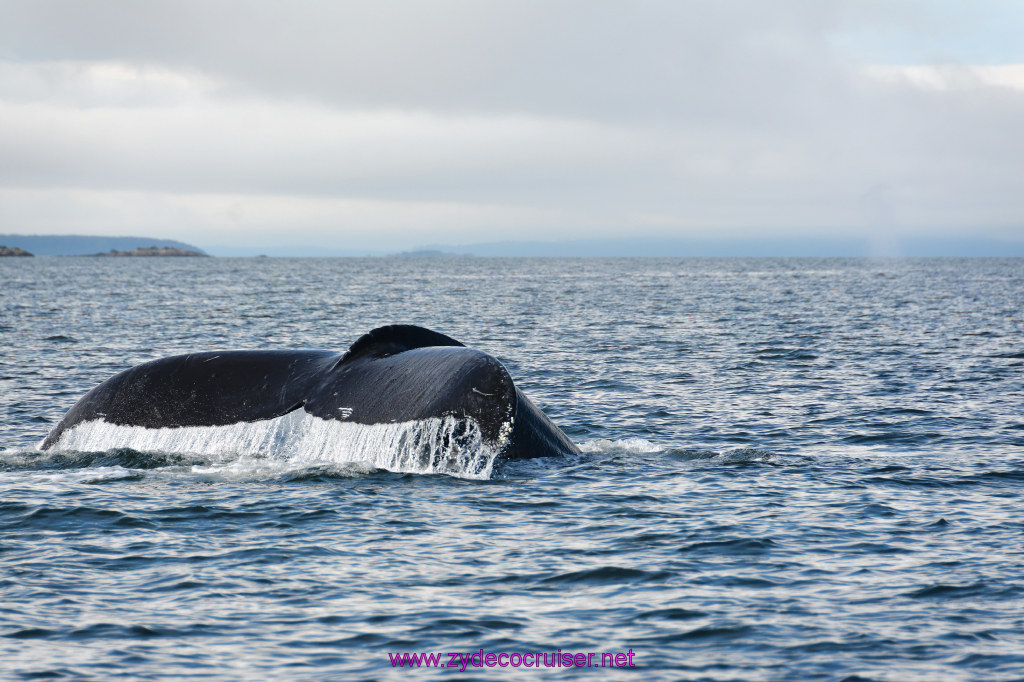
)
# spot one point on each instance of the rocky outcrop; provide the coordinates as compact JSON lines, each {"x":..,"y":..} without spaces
{"x":14,"y":251}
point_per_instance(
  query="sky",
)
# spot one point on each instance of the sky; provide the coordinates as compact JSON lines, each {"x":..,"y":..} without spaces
{"x":393,"y":124}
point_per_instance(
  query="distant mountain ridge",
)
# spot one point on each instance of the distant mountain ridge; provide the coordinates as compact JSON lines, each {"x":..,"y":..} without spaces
{"x":744,"y":247}
{"x":669,"y":247}
{"x":85,"y":245}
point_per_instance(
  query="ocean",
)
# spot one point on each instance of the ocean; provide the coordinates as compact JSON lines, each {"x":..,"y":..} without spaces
{"x":791,"y":469}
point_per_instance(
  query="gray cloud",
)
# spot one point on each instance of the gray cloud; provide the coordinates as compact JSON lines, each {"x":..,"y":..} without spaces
{"x":433,"y":120}
{"x":593,"y":58}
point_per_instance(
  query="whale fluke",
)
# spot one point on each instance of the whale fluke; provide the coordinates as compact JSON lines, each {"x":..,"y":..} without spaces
{"x":393,"y":374}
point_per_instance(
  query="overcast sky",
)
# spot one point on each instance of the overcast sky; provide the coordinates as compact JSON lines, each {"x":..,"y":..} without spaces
{"x":389,"y":124}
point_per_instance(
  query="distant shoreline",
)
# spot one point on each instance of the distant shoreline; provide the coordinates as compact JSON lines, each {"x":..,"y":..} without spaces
{"x":150,"y":252}
{"x":92,"y":245}
{"x":803,"y":247}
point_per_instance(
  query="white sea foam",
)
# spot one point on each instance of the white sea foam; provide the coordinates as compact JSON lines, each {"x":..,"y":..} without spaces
{"x":624,"y":445}
{"x":445,"y":445}
{"x":63,"y":476}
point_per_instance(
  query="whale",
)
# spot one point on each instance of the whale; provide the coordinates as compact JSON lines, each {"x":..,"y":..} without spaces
{"x":393,"y":375}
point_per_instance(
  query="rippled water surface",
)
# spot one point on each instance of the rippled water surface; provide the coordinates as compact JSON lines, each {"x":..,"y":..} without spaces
{"x":791,"y":469}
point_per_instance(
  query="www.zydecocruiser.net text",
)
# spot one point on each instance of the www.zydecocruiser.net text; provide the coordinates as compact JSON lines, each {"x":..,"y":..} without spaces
{"x":478,"y":659}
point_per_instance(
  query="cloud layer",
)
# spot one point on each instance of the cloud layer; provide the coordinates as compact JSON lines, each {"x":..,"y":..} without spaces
{"x":397,"y":123}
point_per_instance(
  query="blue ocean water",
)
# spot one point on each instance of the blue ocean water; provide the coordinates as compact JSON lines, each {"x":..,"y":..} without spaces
{"x":792,"y":469}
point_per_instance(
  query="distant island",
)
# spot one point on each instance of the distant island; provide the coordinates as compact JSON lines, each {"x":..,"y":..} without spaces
{"x":150,"y":252}
{"x":430,"y":253}
{"x":14,"y":251}
{"x":87,"y":245}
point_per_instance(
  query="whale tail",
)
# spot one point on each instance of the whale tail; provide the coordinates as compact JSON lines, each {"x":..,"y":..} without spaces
{"x":391,"y":375}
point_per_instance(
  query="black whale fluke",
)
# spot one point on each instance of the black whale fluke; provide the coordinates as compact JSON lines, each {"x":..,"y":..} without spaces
{"x":397,"y":373}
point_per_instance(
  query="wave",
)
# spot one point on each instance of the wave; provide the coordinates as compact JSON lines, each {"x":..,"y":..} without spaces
{"x":621,"y":446}
{"x":299,"y":446}
{"x":641,"y":446}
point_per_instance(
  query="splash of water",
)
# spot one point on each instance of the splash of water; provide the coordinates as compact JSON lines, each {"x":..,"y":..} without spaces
{"x":439,"y":445}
